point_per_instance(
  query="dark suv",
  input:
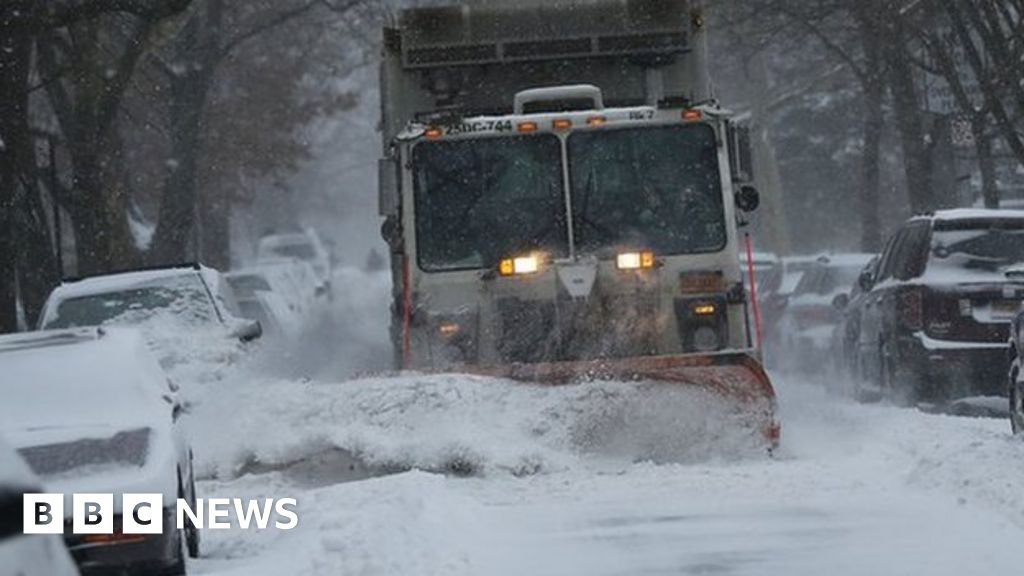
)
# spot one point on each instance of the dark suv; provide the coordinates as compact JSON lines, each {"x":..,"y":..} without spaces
{"x":936,"y":319}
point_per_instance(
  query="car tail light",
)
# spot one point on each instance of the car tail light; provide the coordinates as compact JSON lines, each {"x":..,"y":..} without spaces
{"x":910,"y":309}
{"x":940,"y":313}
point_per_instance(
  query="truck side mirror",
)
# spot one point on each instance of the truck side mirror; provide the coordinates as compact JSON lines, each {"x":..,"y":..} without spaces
{"x":748,"y":198}
{"x":741,"y":154}
{"x":387,"y":186}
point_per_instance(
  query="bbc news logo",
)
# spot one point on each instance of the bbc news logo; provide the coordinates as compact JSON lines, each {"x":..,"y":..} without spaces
{"x":144,"y":513}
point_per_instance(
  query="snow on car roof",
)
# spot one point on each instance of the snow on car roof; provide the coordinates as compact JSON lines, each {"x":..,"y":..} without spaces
{"x":124,"y":280}
{"x":972,"y":214}
{"x":61,"y":379}
{"x":848,"y":259}
{"x":285,"y":239}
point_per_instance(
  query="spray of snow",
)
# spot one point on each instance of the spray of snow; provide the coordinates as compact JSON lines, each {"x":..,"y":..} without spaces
{"x":465,"y":425}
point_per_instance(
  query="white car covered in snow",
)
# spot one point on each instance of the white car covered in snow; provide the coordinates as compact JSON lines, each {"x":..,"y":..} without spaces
{"x":194,"y":294}
{"x":188,"y":313}
{"x":302,"y":246}
{"x":270,"y":296}
{"x":811,"y":314}
{"x":91,"y":411}
{"x":21,"y":554}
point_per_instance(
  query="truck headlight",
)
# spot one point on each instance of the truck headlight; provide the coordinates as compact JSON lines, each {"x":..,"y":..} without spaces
{"x":634,"y":260}
{"x":520,"y":265}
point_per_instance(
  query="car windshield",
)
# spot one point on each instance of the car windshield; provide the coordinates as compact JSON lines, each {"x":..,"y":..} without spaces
{"x":828,"y":280}
{"x":478,"y":201}
{"x":248,"y":284}
{"x":988,"y":246}
{"x":297,"y":251}
{"x":183,"y":296}
{"x":656,"y":188}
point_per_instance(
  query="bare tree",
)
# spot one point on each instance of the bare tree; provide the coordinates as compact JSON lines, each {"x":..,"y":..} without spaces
{"x":216,"y":30}
{"x":26,"y":259}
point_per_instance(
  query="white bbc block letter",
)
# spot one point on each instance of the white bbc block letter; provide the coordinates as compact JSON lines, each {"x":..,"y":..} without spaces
{"x":218,"y":508}
{"x":92,"y":513}
{"x":43,"y":513}
{"x":142,"y":514}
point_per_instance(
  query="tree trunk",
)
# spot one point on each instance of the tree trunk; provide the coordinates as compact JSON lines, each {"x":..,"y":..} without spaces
{"x":103,"y":239}
{"x":986,"y":165}
{"x":766,"y":167}
{"x":15,"y":55}
{"x":176,"y":224}
{"x":909,"y":122}
{"x":873,"y":84}
{"x":215,"y":237}
{"x":871,"y":173}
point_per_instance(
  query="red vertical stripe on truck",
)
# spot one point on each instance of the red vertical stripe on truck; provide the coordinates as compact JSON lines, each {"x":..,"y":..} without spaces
{"x":753,"y":289}
{"x":406,"y":315}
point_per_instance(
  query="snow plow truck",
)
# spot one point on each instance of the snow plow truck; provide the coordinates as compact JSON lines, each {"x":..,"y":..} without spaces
{"x":562,"y":197}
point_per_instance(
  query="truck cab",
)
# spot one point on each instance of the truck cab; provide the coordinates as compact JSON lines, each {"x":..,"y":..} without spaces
{"x":562,"y":222}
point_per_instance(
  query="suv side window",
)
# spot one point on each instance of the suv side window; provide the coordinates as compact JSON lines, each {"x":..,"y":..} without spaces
{"x":885,"y":266}
{"x":913,"y":252}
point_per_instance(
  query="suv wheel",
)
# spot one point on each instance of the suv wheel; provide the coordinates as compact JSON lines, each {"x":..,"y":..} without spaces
{"x":1016,"y":399}
{"x":899,"y":386}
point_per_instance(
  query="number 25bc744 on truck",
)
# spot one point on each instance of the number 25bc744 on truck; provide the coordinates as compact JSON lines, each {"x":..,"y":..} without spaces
{"x":562,"y":199}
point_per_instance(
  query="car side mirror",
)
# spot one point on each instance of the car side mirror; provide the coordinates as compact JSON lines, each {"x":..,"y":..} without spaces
{"x":748,"y":198}
{"x":248,"y":330}
{"x":866,"y":281}
{"x":841,"y":301}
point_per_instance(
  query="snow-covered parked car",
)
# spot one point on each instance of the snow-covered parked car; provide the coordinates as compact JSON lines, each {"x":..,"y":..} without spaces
{"x":811,"y":314}
{"x":773,"y":292}
{"x":91,"y":411}
{"x":304,"y":246}
{"x":270,"y":297}
{"x":764,"y":264}
{"x":25,"y":554}
{"x":187,"y":312}
{"x":937,"y":319}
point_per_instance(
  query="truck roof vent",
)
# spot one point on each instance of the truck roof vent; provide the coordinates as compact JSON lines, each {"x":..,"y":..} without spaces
{"x":559,"y":99}
{"x":542,"y":30}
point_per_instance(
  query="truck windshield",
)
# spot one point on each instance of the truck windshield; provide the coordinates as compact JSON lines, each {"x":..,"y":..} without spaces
{"x":655,"y":188}
{"x":481,"y":200}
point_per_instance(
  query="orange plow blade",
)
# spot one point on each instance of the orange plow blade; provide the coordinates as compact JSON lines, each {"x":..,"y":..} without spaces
{"x":738,"y":378}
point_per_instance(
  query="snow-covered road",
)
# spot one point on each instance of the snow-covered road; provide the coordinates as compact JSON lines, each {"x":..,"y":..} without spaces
{"x":451,"y":475}
{"x":855,"y":490}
